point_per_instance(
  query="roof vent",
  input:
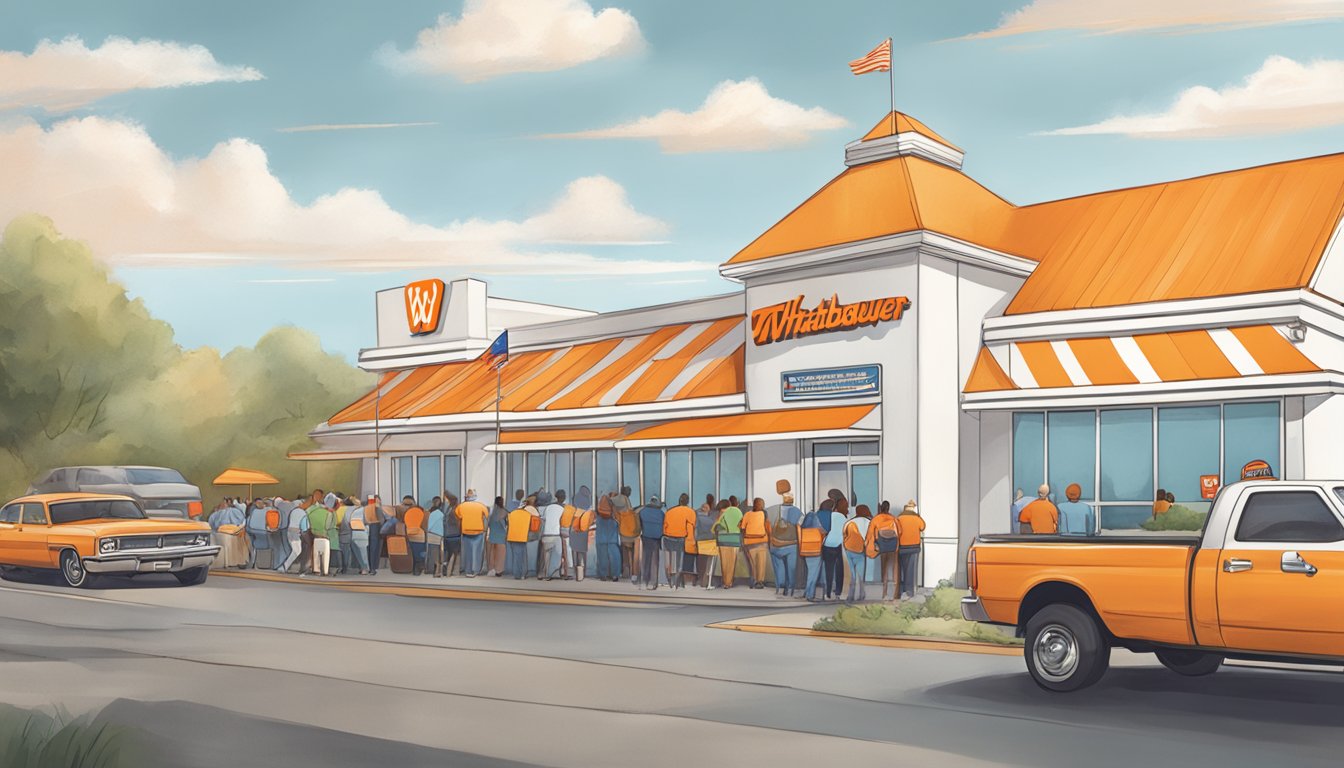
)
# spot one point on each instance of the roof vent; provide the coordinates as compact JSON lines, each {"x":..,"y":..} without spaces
{"x":899,"y":135}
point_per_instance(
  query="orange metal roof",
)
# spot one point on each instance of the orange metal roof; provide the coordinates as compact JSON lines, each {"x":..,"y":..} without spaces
{"x":904,"y":124}
{"x":758,"y":423}
{"x":987,"y":375}
{"x":643,"y":368}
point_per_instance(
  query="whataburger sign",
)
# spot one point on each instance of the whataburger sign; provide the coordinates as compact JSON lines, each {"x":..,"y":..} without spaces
{"x":790,"y":320}
{"x":424,"y":305}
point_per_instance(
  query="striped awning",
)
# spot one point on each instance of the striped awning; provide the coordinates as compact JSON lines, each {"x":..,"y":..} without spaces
{"x":1152,"y":358}
{"x":674,"y":362}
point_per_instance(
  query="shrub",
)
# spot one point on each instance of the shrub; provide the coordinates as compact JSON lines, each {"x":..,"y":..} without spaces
{"x":1178,"y":518}
{"x":866,"y":620}
{"x":938,"y":616}
{"x":34,"y":739}
{"x":944,"y":603}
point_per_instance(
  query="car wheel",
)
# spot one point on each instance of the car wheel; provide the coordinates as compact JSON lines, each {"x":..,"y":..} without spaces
{"x":1190,"y":663}
{"x":193,"y":576}
{"x":73,"y":571}
{"x":1066,"y":649}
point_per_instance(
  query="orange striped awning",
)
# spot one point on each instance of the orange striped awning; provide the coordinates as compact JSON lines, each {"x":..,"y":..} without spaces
{"x":674,"y":362}
{"x":756,"y":424}
{"x":1151,"y":358}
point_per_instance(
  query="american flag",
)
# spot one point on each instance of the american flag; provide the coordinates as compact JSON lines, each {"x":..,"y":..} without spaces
{"x":498,"y":353}
{"x":877,"y":60}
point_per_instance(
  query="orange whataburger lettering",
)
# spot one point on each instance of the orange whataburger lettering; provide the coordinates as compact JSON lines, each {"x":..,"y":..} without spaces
{"x":790,"y":320}
{"x":424,"y":300}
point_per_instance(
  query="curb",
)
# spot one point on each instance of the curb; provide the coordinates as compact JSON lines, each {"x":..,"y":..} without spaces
{"x":881,"y":641}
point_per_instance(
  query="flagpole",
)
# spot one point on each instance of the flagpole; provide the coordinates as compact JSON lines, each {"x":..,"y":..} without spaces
{"x":891,"y":81}
{"x":499,"y":481}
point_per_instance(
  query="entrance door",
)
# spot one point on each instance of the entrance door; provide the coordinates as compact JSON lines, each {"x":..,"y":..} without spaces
{"x":851,"y":468}
{"x":1281,"y":575}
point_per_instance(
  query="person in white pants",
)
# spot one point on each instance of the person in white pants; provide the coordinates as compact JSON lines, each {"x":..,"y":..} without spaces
{"x":294,"y":535}
{"x":322,"y":555}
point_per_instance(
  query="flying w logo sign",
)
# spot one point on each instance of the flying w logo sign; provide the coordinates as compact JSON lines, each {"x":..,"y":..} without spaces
{"x":424,"y":305}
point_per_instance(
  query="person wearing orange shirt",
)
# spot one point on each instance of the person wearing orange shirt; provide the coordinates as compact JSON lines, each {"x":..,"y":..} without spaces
{"x":473,"y":517}
{"x":414,"y":519}
{"x":520,"y":524}
{"x":1042,"y":514}
{"x":1160,"y":504}
{"x":755,"y":540}
{"x":884,"y":542}
{"x":678,"y":528}
{"x":580,"y":526}
{"x":910,"y":533}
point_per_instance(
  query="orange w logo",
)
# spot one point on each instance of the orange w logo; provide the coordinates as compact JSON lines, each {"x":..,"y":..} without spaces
{"x":424,"y":300}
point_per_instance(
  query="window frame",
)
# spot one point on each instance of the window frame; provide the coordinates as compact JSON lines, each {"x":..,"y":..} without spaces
{"x":1235,"y":534}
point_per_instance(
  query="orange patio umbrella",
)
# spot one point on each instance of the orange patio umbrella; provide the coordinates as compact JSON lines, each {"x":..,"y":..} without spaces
{"x":248,"y":477}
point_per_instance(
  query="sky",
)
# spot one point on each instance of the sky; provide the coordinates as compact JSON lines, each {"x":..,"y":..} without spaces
{"x":247,"y":164}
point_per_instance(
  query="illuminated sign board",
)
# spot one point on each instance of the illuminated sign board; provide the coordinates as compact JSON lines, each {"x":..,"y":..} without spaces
{"x":424,"y":306}
{"x":828,"y":383}
{"x":791,"y":320}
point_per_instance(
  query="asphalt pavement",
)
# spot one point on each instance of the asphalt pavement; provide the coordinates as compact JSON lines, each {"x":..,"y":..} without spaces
{"x":242,"y":672}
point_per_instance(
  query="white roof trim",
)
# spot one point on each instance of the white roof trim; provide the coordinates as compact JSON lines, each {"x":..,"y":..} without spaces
{"x":935,"y":243}
{"x":733,"y":439}
{"x":1206,"y":390}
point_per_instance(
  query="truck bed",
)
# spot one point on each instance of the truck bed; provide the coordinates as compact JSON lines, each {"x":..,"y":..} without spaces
{"x":1174,"y":539}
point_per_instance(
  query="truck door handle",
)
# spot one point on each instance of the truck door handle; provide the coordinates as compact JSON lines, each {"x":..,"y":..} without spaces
{"x":1292,"y":562}
{"x":1236,"y":565}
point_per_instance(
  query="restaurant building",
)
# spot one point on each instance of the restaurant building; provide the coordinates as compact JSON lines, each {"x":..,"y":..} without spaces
{"x":904,"y":333}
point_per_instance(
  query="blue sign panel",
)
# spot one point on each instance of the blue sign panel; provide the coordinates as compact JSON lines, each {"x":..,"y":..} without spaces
{"x":828,"y":383}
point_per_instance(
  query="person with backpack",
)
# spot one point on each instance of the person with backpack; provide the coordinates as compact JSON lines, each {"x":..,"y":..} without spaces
{"x":832,"y":561}
{"x":706,"y":546}
{"x":471,"y":520}
{"x":810,"y":535}
{"x":450,"y":552}
{"x":628,"y":520}
{"x":375,"y":518}
{"x":497,"y":530}
{"x":784,"y":544}
{"x":678,"y":533}
{"x":532,"y":566}
{"x":884,"y":541}
{"x":755,"y":541}
{"x":651,"y":518}
{"x":257,"y":534}
{"x":854,"y":540}
{"x":294,"y":528}
{"x":519,"y":525}
{"x":607,"y":539}
{"x":580,"y":527}
{"x":358,"y":531}
{"x":910,"y":529}
{"x":728,"y":530}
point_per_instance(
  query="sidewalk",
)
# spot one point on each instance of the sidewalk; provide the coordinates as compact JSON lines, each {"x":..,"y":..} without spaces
{"x":799,"y":624}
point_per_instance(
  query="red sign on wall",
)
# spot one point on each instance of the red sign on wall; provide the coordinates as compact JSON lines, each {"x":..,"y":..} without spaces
{"x":1208,"y":486}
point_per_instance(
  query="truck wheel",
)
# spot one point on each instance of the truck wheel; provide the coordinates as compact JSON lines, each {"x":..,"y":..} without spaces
{"x":73,"y":571}
{"x":1189,"y":663}
{"x":193,"y":576}
{"x":1065,"y":649}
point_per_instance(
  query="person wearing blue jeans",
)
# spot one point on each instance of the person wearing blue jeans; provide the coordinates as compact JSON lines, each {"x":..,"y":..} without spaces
{"x":473,"y":548}
{"x":517,"y":559}
{"x":810,"y":535}
{"x":607,"y":541}
{"x":784,"y":521}
{"x":855,"y":544}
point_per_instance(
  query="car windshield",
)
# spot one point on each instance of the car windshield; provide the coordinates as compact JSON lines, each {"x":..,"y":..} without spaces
{"x":150,"y":476}
{"x":75,"y":511}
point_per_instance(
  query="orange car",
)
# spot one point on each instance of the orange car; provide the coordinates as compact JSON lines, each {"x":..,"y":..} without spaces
{"x":1264,"y":580}
{"x":86,"y":534}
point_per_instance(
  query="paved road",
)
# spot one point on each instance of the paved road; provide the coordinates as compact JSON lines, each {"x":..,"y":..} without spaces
{"x":240,"y":672}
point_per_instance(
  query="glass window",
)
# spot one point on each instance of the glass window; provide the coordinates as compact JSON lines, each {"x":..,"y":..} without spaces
{"x":1250,"y":432}
{"x":152,"y":475}
{"x":608,"y":478}
{"x":1126,"y":455}
{"x":10,"y":514}
{"x":1028,"y":452}
{"x":653,"y":474}
{"x":583,"y":470}
{"x":562,"y":478}
{"x":1187,"y":447}
{"x":704,"y":476}
{"x":1125,"y":517}
{"x":865,"y":486}
{"x":678,"y":476}
{"x":1289,"y":517}
{"x":429,"y":479}
{"x":536,"y":471}
{"x":865,"y":448}
{"x":831,"y":475}
{"x":75,"y":511}
{"x":404,"y":471}
{"x":452,"y":474}
{"x":1071,"y":437}
{"x":98,"y":477}
{"x":34,"y":514}
{"x":830,"y":449}
{"x":630,"y":473}
{"x":733,"y":473}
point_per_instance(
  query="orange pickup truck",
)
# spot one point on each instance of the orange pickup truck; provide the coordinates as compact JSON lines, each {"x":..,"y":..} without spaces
{"x":1264,"y":581}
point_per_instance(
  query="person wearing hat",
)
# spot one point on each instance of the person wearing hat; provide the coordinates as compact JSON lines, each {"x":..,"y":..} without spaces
{"x":473,"y":518}
{"x":651,"y":518}
{"x":910,"y":532}
{"x":1075,"y":517}
{"x":1041,"y":515}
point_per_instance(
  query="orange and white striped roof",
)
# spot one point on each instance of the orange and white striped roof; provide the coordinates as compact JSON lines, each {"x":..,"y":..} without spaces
{"x":674,"y":362}
{"x":1151,"y":358}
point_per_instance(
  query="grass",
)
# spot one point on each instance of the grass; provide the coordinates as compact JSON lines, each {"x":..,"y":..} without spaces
{"x":939,"y":616}
{"x":1178,"y":518}
{"x":35,"y":739}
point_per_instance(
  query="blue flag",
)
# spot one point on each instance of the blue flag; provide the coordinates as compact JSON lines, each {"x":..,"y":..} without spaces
{"x":498,"y":353}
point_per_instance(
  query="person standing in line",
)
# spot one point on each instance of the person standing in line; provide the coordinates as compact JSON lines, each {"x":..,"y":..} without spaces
{"x":497,"y":537}
{"x":413,"y":519}
{"x":374,"y":518}
{"x":910,"y":527}
{"x":359,"y":537}
{"x":566,"y":525}
{"x":678,"y":529}
{"x":1042,"y":515}
{"x":855,"y":542}
{"x":256,"y":531}
{"x":580,"y":527}
{"x":434,"y":536}
{"x":533,"y":503}
{"x":651,"y":519}
{"x":517,"y":500}
{"x":884,"y":541}
{"x":784,"y":544}
{"x":552,"y":509}
{"x":452,"y":536}
{"x":1075,"y":517}
{"x":520,"y":522}
{"x":607,"y":540}
{"x":275,"y":528}
{"x":230,"y":526}
{"x":755,"y":541}
{"x":728,"y":528}
{"x":810,"y":536}
{"x":471,"y":518}
{"x":1020,"y":503}
{"x":706,"y":545}
{"x":628,"y":519}
{"x":832,"y":561}
{"x":295,"y":525}
{"x":1160,"y":504}
{"x":319,"y":522}
{"x":345,"y":514}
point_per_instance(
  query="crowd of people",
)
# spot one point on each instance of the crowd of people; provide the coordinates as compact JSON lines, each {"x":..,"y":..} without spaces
{"x":718,"y":544}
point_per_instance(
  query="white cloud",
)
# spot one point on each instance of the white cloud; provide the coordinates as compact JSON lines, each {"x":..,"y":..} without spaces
{"x":349,"y":127}
{"x":1281,"y":97}
{"x":503,"y":37}
{"x":107,"y":182}
{"x":59,"y":76}
{"x":1109,"y":17}
{"x":736,"y":116}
